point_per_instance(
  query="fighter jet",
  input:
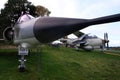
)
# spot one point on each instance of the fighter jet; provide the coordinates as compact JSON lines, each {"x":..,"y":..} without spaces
{"x":29,"y":31}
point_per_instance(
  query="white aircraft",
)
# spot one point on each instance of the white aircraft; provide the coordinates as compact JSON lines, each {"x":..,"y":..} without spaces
{"x":87,"y":42}
{"x":29,"y":31}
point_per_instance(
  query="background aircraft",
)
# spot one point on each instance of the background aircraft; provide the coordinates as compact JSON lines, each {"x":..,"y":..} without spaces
{"x":29,"y":31}
{"x":87,"y":42}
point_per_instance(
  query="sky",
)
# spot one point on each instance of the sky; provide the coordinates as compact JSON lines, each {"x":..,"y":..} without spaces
{"x":86,"y":9}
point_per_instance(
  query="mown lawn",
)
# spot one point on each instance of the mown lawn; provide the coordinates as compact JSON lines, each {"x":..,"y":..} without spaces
{"x":51,"y":63}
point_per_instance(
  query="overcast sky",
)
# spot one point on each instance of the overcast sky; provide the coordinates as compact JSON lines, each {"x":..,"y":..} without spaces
{"x":87,"y":9}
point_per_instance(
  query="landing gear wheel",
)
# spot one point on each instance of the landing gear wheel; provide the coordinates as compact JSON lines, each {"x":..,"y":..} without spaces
{"x":21,"y":69}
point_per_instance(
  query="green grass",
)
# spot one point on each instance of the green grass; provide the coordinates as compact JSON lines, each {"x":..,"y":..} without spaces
{"x":52,"y":63}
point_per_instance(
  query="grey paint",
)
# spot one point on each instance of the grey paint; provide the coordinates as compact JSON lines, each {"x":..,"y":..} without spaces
{"x":24,"y":32}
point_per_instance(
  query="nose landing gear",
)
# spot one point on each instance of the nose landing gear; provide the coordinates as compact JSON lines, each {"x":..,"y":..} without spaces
{"x":22,"y":52}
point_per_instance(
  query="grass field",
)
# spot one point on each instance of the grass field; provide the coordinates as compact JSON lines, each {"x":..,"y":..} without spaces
{"x":50,"y":63}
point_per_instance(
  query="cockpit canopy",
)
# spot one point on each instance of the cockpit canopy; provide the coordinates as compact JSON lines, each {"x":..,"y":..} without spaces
{"x":24,"y":18}
{"x":89,"y":36}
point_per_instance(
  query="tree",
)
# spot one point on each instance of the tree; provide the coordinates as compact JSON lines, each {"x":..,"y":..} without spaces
{"x":42,"y":11}
{"x":13,"y":9}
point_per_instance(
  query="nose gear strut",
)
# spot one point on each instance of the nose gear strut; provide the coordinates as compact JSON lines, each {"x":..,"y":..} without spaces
{"x":22,"y":52}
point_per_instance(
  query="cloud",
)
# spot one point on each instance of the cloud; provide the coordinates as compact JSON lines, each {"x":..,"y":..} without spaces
{"x":100,"y":8}
{"x":2,"y":2}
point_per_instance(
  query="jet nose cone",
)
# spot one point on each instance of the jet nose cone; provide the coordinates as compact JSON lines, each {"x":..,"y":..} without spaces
{"x":51,"y":28}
